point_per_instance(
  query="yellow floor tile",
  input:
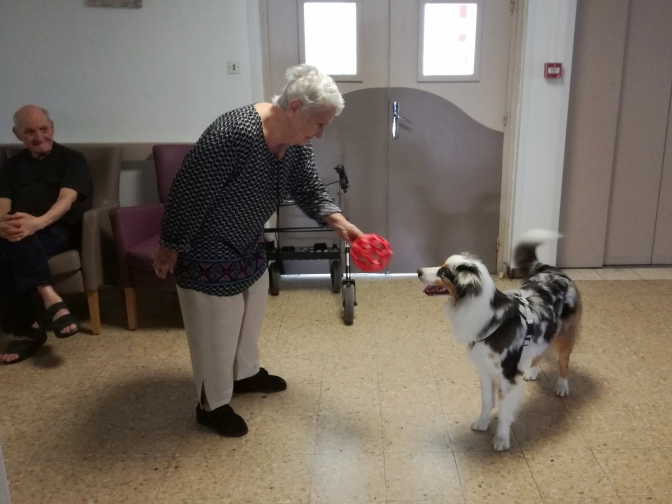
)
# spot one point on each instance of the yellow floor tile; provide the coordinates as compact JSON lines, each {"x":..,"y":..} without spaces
{"x":336,"y":399}
{"x":349,"y":433}
{"x":613,"y":430}
{"x":415,"y":433}
{"x":348,"y":477}
{"x":566,"y":475}
{"x":284,"y":478}
{"x":286,"y":434}
{"x":418,"y":476}
{"x":495,"y":477}
{"x":548,"y":431}
{"x":419,"y":398}
{"x":637,"y":472}
{"x":196,"y":479}
{"x":379,"y":411}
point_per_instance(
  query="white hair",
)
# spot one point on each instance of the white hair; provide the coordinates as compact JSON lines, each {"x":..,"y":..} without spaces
{"x":15,"y":117}
{"x":311,"y":87}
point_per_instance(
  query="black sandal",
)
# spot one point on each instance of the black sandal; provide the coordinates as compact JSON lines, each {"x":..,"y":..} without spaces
{"x":63,"y":321}
{"x":27,"y":345}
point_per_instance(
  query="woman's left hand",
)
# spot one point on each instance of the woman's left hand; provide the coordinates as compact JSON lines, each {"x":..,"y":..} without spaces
{"x":345,"y":229}
{"x":164,"y":261}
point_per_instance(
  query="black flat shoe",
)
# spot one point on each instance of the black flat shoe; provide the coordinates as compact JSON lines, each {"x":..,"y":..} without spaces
{"x":261,"y":382}
{"x":223,"y":420}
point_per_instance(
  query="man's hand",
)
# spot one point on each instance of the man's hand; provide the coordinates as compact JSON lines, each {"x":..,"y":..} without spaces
{"x":8,"y":227}
{"x":164,"y":261}
{"x":349,"y":232}
{"x":18,"y":226}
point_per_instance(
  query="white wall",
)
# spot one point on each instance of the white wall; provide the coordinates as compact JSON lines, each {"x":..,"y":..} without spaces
{"x":155,"y":74}
{"x":540,"y":149}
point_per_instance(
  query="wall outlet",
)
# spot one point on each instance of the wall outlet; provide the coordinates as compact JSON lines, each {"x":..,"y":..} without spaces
{"x":233,"y":67}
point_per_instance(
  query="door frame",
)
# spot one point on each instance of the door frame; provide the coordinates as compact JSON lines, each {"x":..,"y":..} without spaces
{"x":511,"y":134}
{"x":258,"y":23}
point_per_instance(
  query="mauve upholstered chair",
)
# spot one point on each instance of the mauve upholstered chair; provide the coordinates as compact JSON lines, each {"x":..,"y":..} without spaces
{"x":136,"y":232}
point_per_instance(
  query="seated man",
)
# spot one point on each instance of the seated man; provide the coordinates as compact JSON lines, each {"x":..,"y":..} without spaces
{"x":44,"y":192}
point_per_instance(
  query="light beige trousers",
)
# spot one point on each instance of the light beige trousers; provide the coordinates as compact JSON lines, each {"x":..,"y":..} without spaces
{"x":223,"y":334}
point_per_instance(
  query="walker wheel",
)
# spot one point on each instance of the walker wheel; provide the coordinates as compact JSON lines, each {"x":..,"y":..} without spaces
{"x":274,"y":279}
{"x":349,"y":304}
{"x":336,"y":276}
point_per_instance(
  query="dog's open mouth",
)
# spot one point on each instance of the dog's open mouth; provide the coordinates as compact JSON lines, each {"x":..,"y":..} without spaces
{"x":435,"y":290}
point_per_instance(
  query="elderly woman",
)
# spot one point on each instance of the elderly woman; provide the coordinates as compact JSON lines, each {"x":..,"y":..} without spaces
{"x":229,"y":185}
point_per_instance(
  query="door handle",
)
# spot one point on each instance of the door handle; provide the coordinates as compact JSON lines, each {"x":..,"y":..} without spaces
{"x":395,"y":119}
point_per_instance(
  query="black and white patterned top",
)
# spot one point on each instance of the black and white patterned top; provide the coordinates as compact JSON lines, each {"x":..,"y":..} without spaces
{"x":229,"y":185}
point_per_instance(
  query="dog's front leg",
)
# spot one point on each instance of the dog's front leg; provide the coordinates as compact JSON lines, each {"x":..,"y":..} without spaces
{"x":487,"y":402}
{"x":512,"y":395}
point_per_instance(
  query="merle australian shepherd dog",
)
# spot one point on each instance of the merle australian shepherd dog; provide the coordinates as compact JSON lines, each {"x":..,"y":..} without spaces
{"x":506,"y":333}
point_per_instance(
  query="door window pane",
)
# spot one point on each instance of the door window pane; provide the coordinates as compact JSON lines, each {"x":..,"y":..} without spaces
{"x":449,"y":39}
{"x":330,"y":36}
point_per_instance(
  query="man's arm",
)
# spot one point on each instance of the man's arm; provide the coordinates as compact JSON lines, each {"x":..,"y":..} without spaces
{"x":5,"y":206}
{"x":8,"y":228}
{"x":66,"y":197}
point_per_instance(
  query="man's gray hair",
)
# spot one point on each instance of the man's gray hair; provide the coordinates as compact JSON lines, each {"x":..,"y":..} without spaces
{"x":15,"y":117}
{"x":311,"y":87}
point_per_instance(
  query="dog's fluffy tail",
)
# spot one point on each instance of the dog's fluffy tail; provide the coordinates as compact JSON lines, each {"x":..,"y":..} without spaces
{"x":525,"y":254}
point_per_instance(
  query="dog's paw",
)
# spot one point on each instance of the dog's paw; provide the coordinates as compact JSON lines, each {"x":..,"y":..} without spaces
{"x":531,"y":374}
{"x":501,"y":443}
{"x":480,"y":425}
{"x":562,"y":387}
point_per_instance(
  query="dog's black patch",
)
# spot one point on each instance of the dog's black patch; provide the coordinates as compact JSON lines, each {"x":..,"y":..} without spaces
{"x":510,"y":364}
{"x":445,"y":272}
{"x":507,"y":332}
{"x":467,"y":289}
{"x":547,"y":292}
{"x":499,"y":300}
{"x":468,"y":268}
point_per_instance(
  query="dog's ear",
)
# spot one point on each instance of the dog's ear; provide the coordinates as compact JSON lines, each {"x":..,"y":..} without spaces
{"x":467,"y":281}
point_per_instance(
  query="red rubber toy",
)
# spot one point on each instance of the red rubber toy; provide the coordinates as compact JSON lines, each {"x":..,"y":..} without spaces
{"x":371,"y":253}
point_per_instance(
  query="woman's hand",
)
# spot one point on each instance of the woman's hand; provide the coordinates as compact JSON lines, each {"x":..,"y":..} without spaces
{"x":346,"y":230}
{"x":164,"y":261}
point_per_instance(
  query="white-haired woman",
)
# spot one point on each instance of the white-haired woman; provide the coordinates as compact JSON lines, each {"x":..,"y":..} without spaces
{"x":229,"y":185}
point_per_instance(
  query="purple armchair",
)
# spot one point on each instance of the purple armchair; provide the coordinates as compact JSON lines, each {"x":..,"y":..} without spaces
{"x":136,"y":232}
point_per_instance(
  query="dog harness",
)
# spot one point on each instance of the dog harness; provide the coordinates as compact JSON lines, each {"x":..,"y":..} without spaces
{"x":527,"y":313}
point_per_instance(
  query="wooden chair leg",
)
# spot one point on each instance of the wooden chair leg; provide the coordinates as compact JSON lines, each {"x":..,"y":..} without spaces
{"x":94,"y":311}
{"x":131,"y":308}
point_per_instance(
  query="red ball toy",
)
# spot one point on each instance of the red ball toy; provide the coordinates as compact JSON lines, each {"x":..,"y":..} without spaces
{"x":370,"y":253}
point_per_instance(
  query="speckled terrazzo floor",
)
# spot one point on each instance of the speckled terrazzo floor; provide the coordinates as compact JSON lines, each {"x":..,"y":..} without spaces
{"x":376,"y":412}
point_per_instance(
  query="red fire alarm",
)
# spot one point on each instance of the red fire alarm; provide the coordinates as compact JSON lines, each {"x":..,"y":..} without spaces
{"x":552,"y":70}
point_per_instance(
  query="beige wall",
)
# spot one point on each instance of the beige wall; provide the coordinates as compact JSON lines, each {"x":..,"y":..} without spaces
{"x":591,"y":130}
{"x":640,"y":138}
{"x":662,"y":245}
{"x":613,"y":204}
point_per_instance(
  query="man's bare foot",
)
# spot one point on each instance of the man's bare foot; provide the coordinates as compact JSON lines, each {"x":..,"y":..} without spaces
{"x":67,"y":329}
{"x":50,"y":298}
{"x":27,"y":345}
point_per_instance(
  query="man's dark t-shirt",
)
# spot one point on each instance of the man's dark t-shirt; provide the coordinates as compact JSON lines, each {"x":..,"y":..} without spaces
{"x":33,"y":184}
